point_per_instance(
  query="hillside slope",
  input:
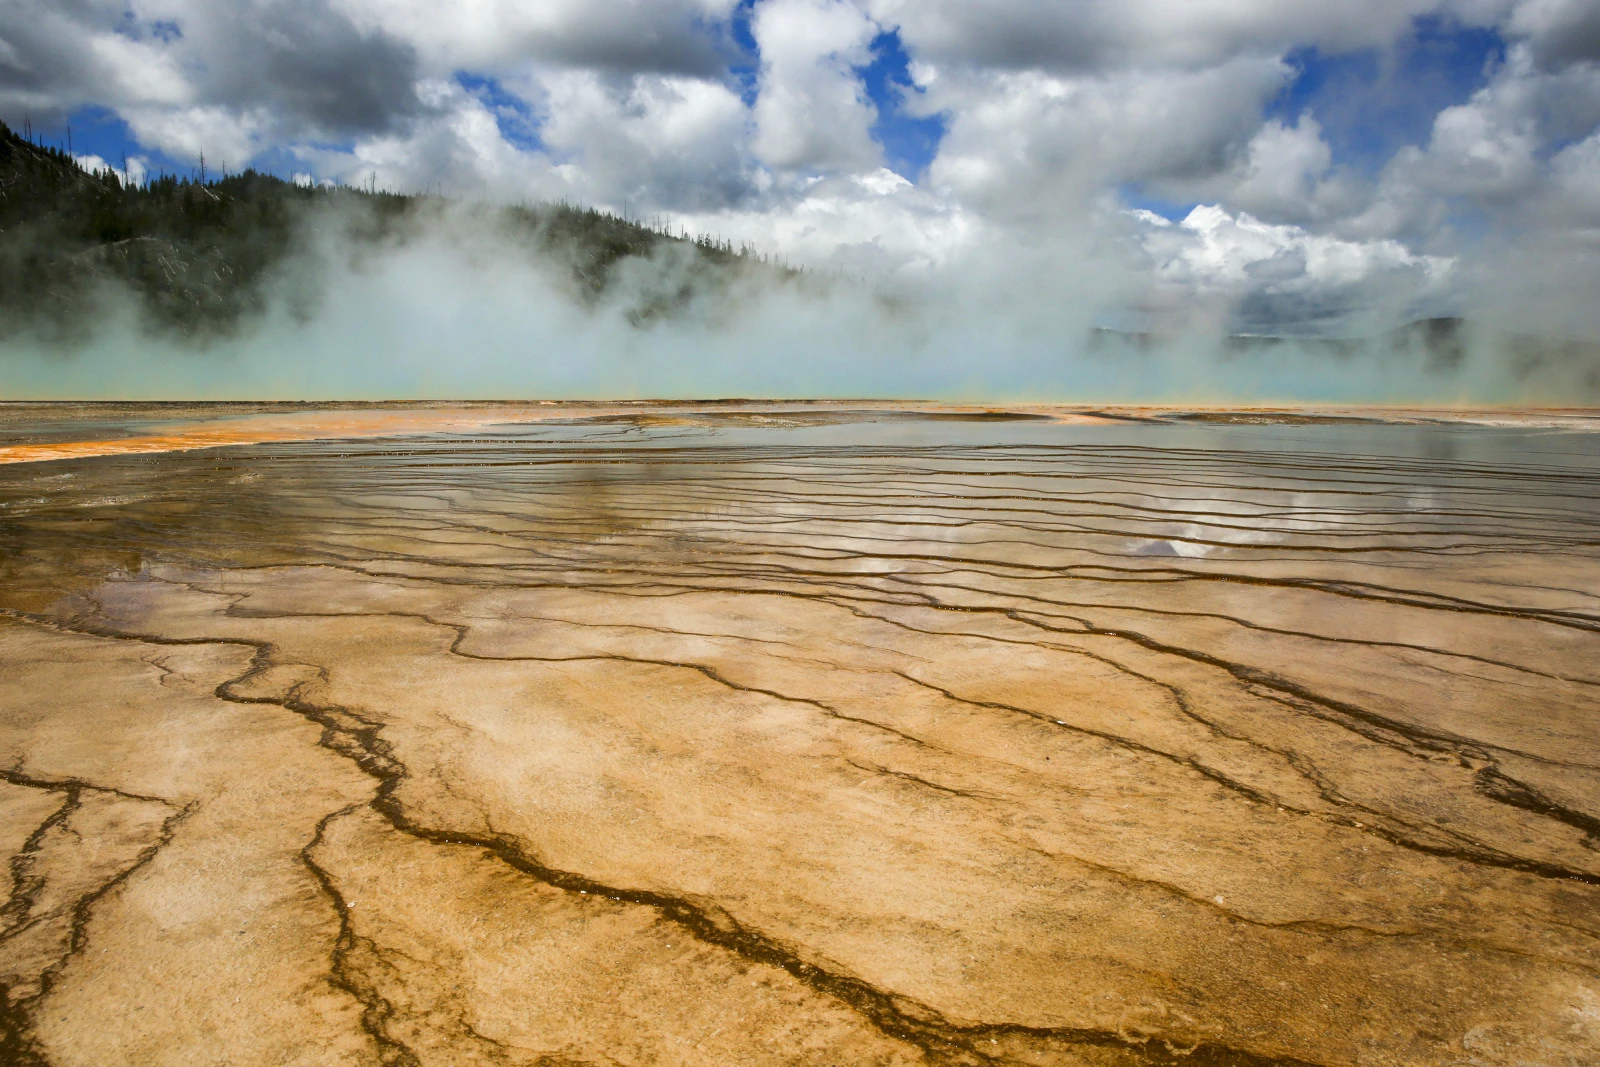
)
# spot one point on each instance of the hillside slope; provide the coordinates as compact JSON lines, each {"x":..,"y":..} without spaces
{"x":198,"y":255}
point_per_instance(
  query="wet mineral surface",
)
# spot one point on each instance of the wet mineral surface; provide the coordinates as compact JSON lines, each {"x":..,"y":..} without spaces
{"x":775,"y":737}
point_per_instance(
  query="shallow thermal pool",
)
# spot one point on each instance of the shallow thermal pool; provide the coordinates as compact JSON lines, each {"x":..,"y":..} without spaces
{"x":781,"y":736}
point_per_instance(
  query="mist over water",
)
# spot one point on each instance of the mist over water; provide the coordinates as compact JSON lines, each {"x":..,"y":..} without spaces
{"x":456,"y":307}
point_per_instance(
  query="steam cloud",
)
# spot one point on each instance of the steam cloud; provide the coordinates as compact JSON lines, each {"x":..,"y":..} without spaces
{"x":455,"y":307}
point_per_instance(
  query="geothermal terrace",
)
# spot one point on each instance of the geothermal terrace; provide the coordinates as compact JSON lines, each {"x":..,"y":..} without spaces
{"x":800,"y":734}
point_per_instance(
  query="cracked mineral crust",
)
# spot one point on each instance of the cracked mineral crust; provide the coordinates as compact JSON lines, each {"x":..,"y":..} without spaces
{"x":805,"y":736}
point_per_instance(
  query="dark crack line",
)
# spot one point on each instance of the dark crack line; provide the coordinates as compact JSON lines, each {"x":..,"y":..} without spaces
{"x":895,"y":1016}
{"x":923,"y":783}
{"x":25,"y":886}
{"x":18,"y":1044}
{"x":376,"y":1010}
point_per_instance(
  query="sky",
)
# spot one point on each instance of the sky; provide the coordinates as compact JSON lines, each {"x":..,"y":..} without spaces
{"x":1317,"y":167}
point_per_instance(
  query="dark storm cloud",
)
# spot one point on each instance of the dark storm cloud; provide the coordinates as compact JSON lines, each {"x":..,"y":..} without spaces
{"x":631,"y":38}
{"x":1012,"y":35}
{"x":314,"y":68}
{"x":1572,"y":36}
{"x":45,"y":67}
{"x":310,"y":65}
{"x":307,"y":65}
{"x":1092,"y":35}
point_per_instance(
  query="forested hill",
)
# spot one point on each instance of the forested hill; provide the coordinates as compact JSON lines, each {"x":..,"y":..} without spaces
{"x":196,"y":254}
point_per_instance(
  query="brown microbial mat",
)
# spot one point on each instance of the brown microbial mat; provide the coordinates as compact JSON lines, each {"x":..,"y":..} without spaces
{"x":841,"y":734}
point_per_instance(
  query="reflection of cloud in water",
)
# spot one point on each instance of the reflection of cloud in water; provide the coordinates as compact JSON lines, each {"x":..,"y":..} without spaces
{"x":1197,"y":526}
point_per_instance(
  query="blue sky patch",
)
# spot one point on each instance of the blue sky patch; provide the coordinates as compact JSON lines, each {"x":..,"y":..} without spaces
{"x":1133,"y":197}
{"x":1371,"y":103}
{"x":746,"y":69}
{"x":909,"y":141}
{"x":517,"y":122}
{"x":99,"y":131}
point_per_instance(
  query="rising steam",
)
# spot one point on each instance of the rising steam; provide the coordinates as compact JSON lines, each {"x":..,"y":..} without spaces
{"x":457,"y":304}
